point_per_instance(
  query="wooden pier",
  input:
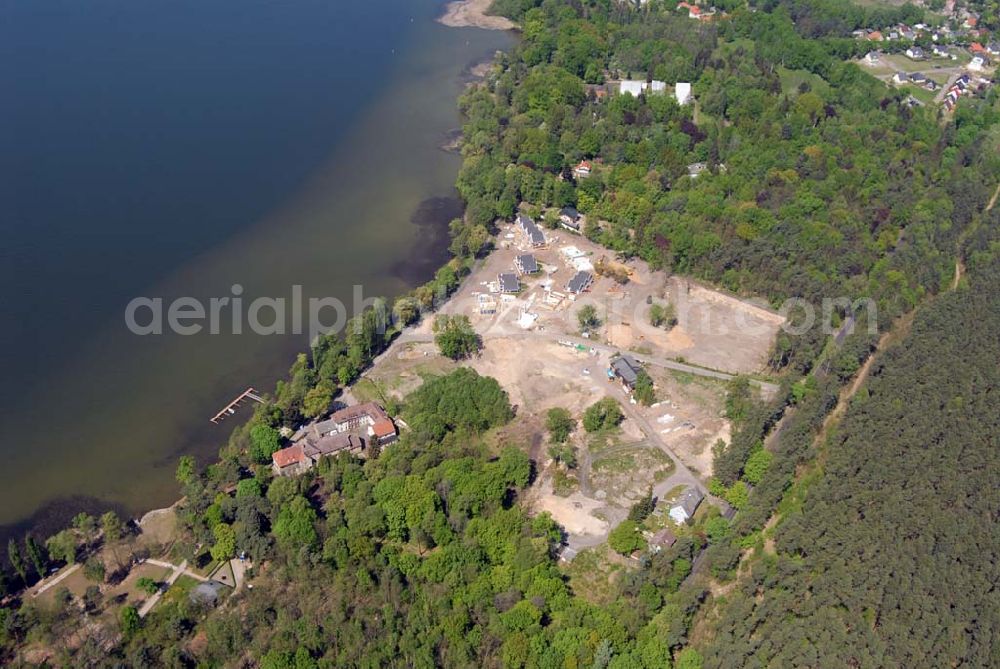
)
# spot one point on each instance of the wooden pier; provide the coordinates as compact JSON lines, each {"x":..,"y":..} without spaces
{"x":230,"y":409}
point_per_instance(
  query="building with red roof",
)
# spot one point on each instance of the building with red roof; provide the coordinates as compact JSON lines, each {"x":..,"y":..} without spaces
{"x":290,"y":461}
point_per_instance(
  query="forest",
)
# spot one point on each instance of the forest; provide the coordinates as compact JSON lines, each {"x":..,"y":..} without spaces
{"x":892,"y":559}
{"x":819,"y":182}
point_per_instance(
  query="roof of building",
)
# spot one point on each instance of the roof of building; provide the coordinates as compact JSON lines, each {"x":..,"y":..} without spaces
{"x":370,"y":409}
{"x":383,"y":428}
{"x":323,"y":427}
{"x":207,"y":592}
{"x":529,"y":227}
{"x":509,"y":282}
{"x":689,"y":500}
{"x":626,"y":367}
{"x":583,"y":166}
{"x":918,"y":76}
{"x":579,"y":282}
{"x":682,"y":91}
{"x":664,"y":538}
{"x":527,"y":263}
{"x":329,"y":445}
{"x":632,"y":87}
{"x":286,"y":457}
{"x":569,"y":212}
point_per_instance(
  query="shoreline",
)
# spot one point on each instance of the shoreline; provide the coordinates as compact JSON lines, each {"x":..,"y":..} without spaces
{"x":472,"y":14}
{"x":458,"y":14}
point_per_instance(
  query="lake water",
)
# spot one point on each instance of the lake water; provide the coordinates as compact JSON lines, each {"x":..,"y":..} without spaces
{"x":169,"y":149}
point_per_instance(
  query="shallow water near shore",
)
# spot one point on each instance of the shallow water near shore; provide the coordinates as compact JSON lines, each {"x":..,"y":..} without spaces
{"x":178,"y":150}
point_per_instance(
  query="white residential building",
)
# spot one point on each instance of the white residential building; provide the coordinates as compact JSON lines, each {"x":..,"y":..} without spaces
{"x":635,"y":87}
{"x":682,"y":92}
{"x":683,"y":509}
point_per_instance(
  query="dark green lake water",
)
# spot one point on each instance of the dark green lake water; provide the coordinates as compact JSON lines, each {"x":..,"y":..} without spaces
{"x":177,"y":148}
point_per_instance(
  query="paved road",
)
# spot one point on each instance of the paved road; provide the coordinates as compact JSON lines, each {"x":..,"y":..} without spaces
{"x":148,"y":605}
{"x":56,"y":580}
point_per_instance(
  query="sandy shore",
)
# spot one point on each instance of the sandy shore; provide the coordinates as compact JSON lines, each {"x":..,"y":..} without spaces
{"x":472,"y":14}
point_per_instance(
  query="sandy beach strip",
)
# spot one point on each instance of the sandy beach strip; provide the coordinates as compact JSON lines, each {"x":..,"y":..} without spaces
{"x":472,"y":14}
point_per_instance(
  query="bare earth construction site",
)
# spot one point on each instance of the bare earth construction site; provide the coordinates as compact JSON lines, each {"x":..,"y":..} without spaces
{"x":534,"y":346}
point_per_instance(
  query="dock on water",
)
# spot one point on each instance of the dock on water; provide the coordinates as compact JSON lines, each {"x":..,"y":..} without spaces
{"x":230,"y":409}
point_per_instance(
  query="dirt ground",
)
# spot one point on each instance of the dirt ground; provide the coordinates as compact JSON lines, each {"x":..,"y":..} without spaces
{"x":689,"y":417}
{"x":714,"y":330}
{"x":120,"y":594}
{"x":533,"y":346}
{"x":575,"y":513}
{"x":159,"y":527}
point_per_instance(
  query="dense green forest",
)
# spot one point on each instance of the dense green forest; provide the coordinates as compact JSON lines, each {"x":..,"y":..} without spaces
{"x":819,"y":182}
{"x":893,"y":558}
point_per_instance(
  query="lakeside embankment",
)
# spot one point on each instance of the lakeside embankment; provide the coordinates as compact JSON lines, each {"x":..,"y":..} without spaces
{"x":473,"y":14}
{"x":373,"y":211}
{"x":458,"y":14}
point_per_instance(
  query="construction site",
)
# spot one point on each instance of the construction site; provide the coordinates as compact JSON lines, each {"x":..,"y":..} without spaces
{"x":534,"y":345}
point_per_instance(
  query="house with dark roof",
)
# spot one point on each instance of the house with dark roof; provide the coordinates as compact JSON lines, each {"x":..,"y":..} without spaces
{"x":662,"y":540}
{"x":509,"y":283}
{"x":683,"y":509}
{"x":580,"y":282}
{"x":526,"y":264}
{"x":626,"y":369}
{"x":208,"y":593}
{"x":569,"y":218}
{"x":330,"y":445}
{"x":915,"y":53}
{"x":531,"y":231}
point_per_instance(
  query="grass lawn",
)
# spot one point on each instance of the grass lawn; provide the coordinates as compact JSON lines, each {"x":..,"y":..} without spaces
{"x":594,"y":573}
{"x":127,"y":592}
{"x":180,"y":590}
{"x":792,"y":79}
{"x":365,"y":390}
{"x":920,"y":93}
{"x":564,"y":484}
